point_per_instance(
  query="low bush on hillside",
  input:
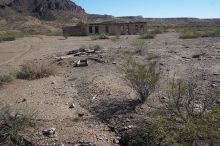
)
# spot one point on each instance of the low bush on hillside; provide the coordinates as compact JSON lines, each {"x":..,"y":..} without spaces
{"x":7,"y":37}
{"x":14,"y":122}
{"x":188,"y":34}
{"x":141,"y":77}
{"x":188,"y":116}
{"x":147,"y":36}
{"x":157,"y":31}
{"x":6,"y":78}
{"x":36,"y":70}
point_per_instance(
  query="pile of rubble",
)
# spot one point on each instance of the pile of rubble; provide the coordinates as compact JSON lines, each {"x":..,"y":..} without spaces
{"x":84,"y":54}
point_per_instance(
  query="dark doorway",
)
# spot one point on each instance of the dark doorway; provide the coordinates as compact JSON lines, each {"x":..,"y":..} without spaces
{"x":90,"y":29}
{"x":106,"y":29}
{"x":96,"y":29}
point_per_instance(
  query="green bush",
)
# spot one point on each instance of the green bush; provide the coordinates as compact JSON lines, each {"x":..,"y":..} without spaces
{"x":188,"y":34}
{"x":143,"y":79}
{"x":7,"y":37}
{"x":6,"y":78}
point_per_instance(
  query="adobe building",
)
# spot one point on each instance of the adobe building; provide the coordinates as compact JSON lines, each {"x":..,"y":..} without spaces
{"x":108,"y":27}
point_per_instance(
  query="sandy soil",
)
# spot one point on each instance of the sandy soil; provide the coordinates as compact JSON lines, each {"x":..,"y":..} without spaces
{"x":99,"y":91}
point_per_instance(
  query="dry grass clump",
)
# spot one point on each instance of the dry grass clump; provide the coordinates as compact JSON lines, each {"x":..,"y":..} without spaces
{"x":36,"y":70}
{"x":13,"y":123}
{"x":142,"y":78}
{"x":139,"y":46}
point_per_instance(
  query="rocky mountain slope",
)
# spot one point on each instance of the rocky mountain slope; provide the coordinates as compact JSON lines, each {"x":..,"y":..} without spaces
{"x":28,"y":13}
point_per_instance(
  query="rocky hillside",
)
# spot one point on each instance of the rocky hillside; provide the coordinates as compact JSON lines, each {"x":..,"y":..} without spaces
{"x":25,"y":13}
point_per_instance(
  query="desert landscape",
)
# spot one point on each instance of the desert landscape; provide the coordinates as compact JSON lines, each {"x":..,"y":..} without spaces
{"x":101,"y":90}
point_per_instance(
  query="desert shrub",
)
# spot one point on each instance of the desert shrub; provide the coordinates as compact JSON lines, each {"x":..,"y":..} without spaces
{"x":103,"y":36}
{"x":188,"y":34}
{"x":139,"y":46}
{"x":36,"y":70}
{"x":65,"y":35}
{"x":6,"y":78}
{"x":147,"y":36}
{"x":143,"y":79}
{"x":13,"y":123}
{"x":188,"y":116}
{"x":7,"y":37}
{"x":99,"y":37}
{"x":116,"y":38}
{"x":157,"y":31}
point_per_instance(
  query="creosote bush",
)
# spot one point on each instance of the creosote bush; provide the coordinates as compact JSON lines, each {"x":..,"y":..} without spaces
{"x":13,"y":123}
{"x":188,"y":116}
{"x":6,"y":78}
{"x":7,"y":37}
{"x":36,"y":70}
{"x":142,"y":78}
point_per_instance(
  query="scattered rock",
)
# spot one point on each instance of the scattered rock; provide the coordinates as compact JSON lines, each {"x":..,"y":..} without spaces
{"x":81,"y":63}
{"x":53,"y":82}
{"x":215,"y":74}
{"x":115,"y":141}
{"x":213,"y":85}
{"x":80,"y":114}
{"x":72,"y":105}
{"x":97,"y":60}
{"x":218,"y":101}
{"x":198,"y":55}
{"x":24,"y":100}
{"x":49,"y":132}
{"x":161,"y":64}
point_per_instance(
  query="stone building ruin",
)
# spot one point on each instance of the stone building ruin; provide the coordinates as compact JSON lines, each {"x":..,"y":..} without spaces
{"x":108,"y":27}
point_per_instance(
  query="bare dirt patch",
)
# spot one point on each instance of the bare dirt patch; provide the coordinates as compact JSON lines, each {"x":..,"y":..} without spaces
{"x":104,"y":104}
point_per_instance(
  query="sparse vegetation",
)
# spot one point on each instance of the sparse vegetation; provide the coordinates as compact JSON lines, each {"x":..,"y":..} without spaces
{"x":65,"y":35}
{"x":6,"y":78}
{"x":116,"y":38}
{"x":188,"y":34}
{"x":7,"y":37}
{"x":139,"y":46}
{"x":147,"y":36}
{"x":189,"y":116}
{"x":143,"y":79}
{"x":36,"y":70}
{"x":99,"y":37}
{"x":13,"y":123}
